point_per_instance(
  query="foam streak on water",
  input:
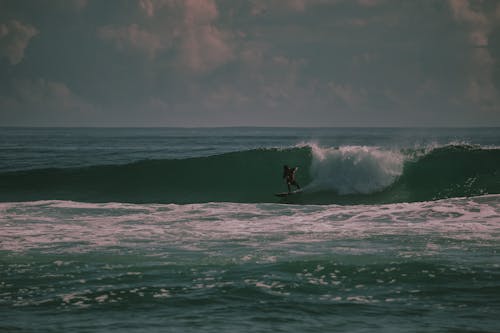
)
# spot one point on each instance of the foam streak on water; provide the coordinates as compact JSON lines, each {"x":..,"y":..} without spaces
{"x":64,"y":225}
{"x":227,"y":266}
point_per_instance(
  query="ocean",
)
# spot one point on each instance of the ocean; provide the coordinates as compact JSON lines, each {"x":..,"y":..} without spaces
{"x":179,"y":230}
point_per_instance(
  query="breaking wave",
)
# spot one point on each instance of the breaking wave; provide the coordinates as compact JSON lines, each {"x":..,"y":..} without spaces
{"x":329,"y":175}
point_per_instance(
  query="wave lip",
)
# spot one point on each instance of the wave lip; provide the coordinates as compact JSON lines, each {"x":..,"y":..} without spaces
{"x":341,"y":175}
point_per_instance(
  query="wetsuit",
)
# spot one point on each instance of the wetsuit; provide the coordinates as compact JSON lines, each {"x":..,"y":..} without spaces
{"x":289,"y":175}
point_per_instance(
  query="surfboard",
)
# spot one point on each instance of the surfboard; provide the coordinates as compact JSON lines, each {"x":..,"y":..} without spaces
{"x":285,"y":194}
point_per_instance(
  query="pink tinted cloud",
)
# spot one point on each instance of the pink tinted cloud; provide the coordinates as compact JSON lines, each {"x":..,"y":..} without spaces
{"x":134,"y":37}
{"x":14,"y":38}
{"x":203,"y":46}
{"x":188,"y":28}
{"x":481,"y":89}
{"x":479,"y":23}
{"x":199,"y":12}
{"x":152,"y":6}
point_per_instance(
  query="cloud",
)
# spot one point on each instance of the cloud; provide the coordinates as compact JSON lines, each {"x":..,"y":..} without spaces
{"x":347,"y":94}
{"x":43,"y":100}
{"x":14,"y":38}
{"x":252,"y":54}
{"x":203,"y":46}
{"x":261,"y":7}
{"x":298,"y":5}
{"x":369,"y":3}
{"x":478,"y":22}
{"x":276,"y":79}
{"x":366,"y":58}
{"x":148,"y":6}
{"x":133,"y":37}
{"x":78,"y":4}
{"x":187,"y":29}
{"x":480,"y":88}
{"x":152,"y":6}
{"x":224,"y":96}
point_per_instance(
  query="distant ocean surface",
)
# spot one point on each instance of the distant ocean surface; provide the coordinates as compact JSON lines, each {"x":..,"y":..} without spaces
{"x":179,"y":230}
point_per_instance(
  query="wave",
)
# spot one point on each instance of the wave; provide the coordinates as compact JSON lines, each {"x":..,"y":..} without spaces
{"x":340,"y":175}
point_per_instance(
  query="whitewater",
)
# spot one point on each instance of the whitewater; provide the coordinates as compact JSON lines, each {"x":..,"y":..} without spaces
{"x":178,"y":230}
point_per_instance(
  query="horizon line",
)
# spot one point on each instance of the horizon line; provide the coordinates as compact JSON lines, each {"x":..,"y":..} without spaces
{"x":243,"y":126}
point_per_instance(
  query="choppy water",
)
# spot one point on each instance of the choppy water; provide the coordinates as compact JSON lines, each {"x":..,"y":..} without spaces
{"x":114,"y":230}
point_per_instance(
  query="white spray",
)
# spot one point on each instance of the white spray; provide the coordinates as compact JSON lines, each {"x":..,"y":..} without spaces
{"x":354,"y":169}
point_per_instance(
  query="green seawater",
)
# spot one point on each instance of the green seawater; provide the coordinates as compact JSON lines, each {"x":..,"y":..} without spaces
{"x":430,"y":266}
{"x":345,"y":175}
{"x":178,"y":230}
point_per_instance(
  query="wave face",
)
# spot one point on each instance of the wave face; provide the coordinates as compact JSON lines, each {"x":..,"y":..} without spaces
{"x":343,"y":175}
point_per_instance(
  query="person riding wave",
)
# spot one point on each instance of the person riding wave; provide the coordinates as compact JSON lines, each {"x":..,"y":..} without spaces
{"x":289,"y":176}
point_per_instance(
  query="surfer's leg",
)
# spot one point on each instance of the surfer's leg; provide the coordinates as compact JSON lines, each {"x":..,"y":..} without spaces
{"x":289,"y":189}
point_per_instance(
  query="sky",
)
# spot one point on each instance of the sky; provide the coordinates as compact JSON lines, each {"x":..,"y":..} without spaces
{"x":212,"y":63}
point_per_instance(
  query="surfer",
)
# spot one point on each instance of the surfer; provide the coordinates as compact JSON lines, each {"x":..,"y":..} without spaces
{"x":289,"y":176}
